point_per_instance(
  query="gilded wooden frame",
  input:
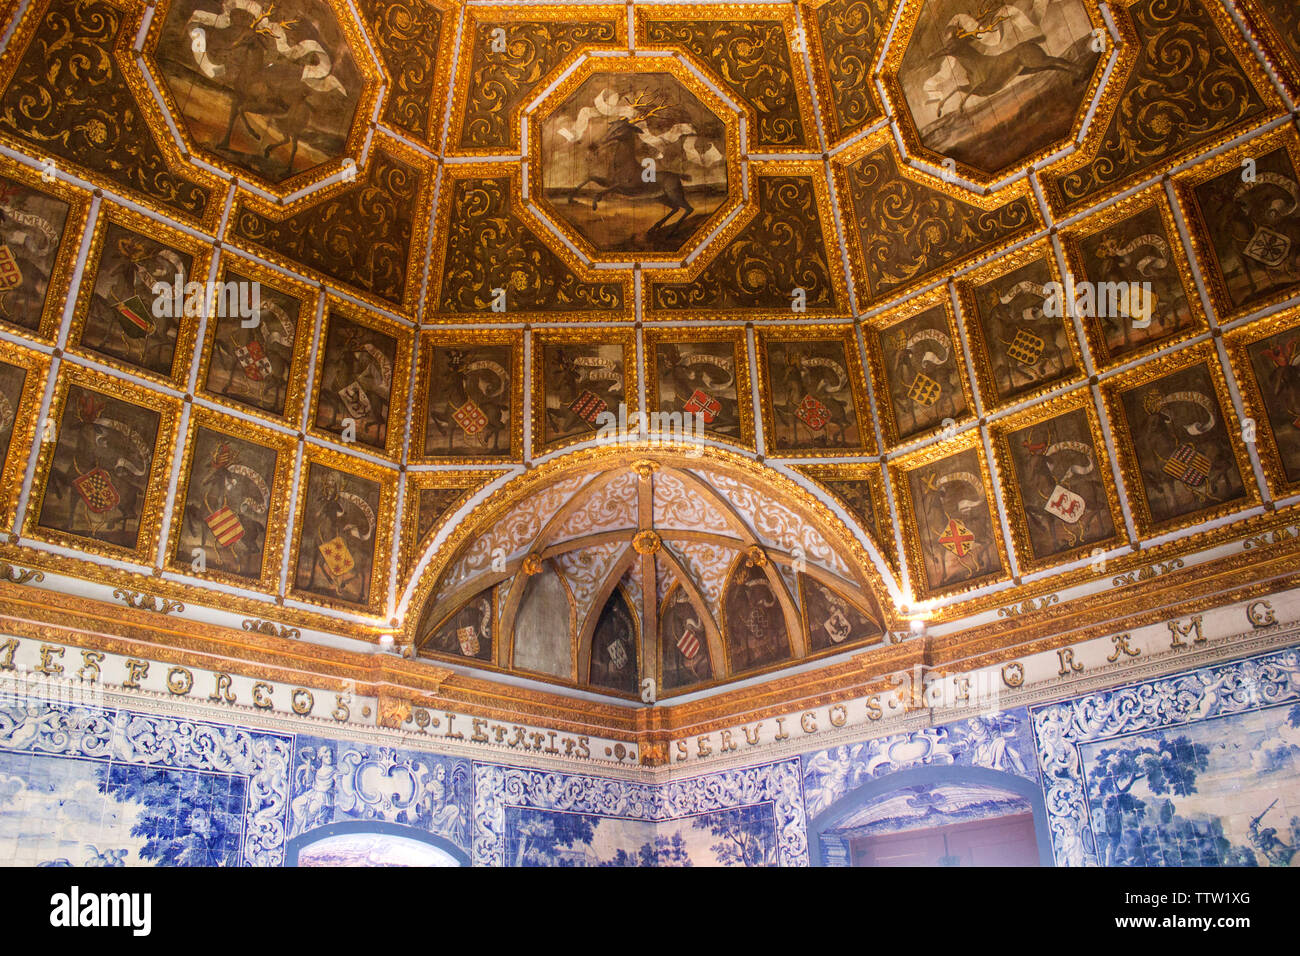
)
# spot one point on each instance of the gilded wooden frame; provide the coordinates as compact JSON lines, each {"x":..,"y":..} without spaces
{"x":610,"y":336}
{"x":814,"y":333}
{"x":155,"y":498}
{"x":899,"y":470}
{"x":26,"y":414}
{"x":981,"y":354}
{"x":373,"y":76}
{"x":285,"y":447}
{"x":429,"y":339}
{"x":398,"y":406}
{"x":999,"y":436}
{"x":637,"y":63}
{"x":303,"y":337}
{"x":874,"y":331}
{"x":62,"y":274}
{"x":735,"y":335}
{"x":1072,"y":239}
{"x":1134,"y":489}
{"x":183,"y":352}
{"x":1185,"y":186}
{"x":1252,"y":394}
{"x":413,"y":543}
{"x":383,"y":533}
{"x":897,"y":99}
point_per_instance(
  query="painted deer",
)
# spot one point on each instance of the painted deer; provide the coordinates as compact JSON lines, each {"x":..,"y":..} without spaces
{"x":267,"y":76}
{"x":988,"y":73}
{"x":624,"y":175}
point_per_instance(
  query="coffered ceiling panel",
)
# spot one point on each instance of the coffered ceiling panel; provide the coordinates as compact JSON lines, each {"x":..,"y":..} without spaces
{"x":642,"y":348}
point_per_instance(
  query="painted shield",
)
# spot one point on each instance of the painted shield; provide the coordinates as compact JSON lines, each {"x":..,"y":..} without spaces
{"x":1026,"y":348}
{"x":470,"y":418}
{"x":253,"y":360}
{"x":813,"y":413}
{"x":837,"y":626}
{"x":924,"y":390}
{"x":134,"y":316}
{"x":1268,"y":247}
{"x":689,"y":644}
{"x":468,"y":638}
{"x":355,"y":400}
{"x":225,"y":526}
{"x":337,"y":557}
{"x":588,"y":406}
{"x":618,"y":655}
{"x":702,"y":402}
{"x":1065,"y":504}
{"x":11,"y":276}
{"x":1189,"y":466}
{"x":97,"y":491}
{"x":957,"y":538}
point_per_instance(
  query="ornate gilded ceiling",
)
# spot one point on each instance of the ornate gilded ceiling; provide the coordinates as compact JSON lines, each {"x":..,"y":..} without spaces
{"x":604,"y":344}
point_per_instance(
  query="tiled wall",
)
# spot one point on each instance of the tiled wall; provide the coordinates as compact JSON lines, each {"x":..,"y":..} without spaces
{"x":1198,"y":768}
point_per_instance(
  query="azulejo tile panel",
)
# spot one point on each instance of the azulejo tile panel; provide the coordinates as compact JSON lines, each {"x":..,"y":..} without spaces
{"x":1195,"y":769}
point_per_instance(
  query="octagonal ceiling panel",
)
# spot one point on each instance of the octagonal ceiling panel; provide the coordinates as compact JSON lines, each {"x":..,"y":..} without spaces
{"x":634,"y":163}
{"x":994,"y":86}
{"x":271,"y":90}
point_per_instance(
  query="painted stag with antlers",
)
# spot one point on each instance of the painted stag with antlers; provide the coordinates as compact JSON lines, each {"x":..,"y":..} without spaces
{"x":625,"y":174}
{"x":990,"y":72}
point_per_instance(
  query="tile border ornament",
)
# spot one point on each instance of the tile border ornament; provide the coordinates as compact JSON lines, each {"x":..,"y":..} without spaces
{"x":497,"y":787}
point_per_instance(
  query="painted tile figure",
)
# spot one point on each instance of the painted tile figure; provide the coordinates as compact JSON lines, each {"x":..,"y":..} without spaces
{"x":251,"y":366}
{"x":269,"y":87}
{"x":1180,"y":441}
{"x":634,"y":162}
{"x":12,"y":380}
{"x":470,"y":390}
{"x":581,"y":383}
{"x":992,"y":84}
{"x":227,"y":503}
{"x":1253,"y":231}
{"x":31,"y":231}
{"x":923,"y":369}
{"x":1024,"y":349}
{"x":339,"y":781}
{"x":336,"y":550}
{"x":812,"y":395}
{"x":683,"y":643}
{"x":122,"y":319}
{"x":614,"y":647}
{"x":699,"y":378}
{"x":1136,"y":249}
{"x":1059,"y":484}
{"x":832,"y":621}
{"x":1275,"y":362}
{"x":467,"y":633}
{"x":356,"y":382}
{"x":99,"y":473}
{"x":957,"y":532}
{"x":755,"y":624}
